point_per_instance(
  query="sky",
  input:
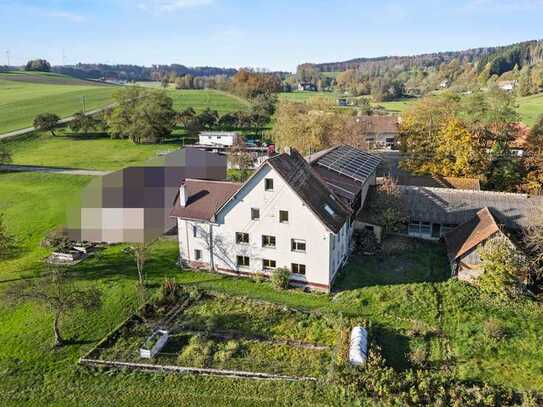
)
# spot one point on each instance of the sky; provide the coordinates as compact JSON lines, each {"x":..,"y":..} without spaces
{"x":276,"y":35}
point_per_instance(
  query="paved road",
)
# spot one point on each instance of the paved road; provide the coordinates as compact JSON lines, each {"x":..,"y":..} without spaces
{"x":21,"y":132}
{"x":51,"y":170}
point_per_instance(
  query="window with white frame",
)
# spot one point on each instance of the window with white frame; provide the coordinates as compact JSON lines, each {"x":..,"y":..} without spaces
{"x":268,"y":241}
{"x":268,"y":264}
{"x":242,"y":238}
{"x":298,"y":245}
{"x":194,"y":231}
{"x":242,"y":261}
{"x":197,"y":254}
{"x":296,"y":268}
{"x":283,"y":216}
{"x":268,"y":184}
{"x":255,"y":214}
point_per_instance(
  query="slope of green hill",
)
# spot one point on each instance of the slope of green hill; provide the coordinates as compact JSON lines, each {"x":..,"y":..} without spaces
{"x":23,"y":95}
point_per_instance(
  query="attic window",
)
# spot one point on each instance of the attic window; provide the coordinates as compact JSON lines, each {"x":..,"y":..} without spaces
{"x":329,"y":210}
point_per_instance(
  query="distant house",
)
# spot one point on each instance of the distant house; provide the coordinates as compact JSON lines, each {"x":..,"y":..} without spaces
{"x":285,"y":215}
{"x":219,"y":138}
{"x":307,"y":87}
{"x":132,"y":205}
{"x":379,"y":132}
{"x":507,"y":86}
{"x":464,"y":242}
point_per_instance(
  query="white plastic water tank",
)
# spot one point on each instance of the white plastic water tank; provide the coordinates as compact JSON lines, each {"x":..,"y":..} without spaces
{"x":358,"y":351}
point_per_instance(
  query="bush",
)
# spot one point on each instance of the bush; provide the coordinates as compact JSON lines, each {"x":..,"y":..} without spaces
{"x":495,"y":329}
{"x":280,"y":278}
{"x":46,"y":122}
{"x":365,"y":242}
{"x":386,"y":386}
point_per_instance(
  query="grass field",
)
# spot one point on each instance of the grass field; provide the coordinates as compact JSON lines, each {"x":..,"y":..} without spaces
{"x":23,"y":96}
{"x":100,"y":153}
{"x":444,"y":318}
{"x":530,"y":108}
{"x":200,"y":99}
{"x":394,"y":106}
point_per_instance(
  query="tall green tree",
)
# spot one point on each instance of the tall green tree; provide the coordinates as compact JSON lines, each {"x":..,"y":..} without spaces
{"x":83,"y":123}
{"x":144,"y":116}
{"x":38,"y":65}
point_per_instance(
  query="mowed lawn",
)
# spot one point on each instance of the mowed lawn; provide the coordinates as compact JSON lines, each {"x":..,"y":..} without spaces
{"x":103,"y":153}
{"x":443,"y":317}
{"x":199,"y":100}
{"x":530,"y":108}
{"x":23,"y":96}
{"x":98,"y":153}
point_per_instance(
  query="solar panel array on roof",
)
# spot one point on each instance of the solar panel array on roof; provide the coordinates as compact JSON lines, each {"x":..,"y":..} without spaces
{"x":350,"y":162}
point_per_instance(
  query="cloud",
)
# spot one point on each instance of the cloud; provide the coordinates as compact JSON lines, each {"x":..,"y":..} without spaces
{"x":171,"y":5}
{"x":66,"y":15}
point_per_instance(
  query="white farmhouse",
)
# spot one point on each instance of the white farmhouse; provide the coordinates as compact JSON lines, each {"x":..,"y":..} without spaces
{"x":284,"y":215}
{"x":218,"y":138}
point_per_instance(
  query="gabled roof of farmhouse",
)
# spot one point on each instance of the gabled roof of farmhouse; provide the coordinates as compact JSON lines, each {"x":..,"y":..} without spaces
{"x":440,"y":182}
{"x":379,"y":124}
{"x":311,"y":189}
{"x":471,"y":234}
{"x":204,"y":198}
{"x":454,"y":206}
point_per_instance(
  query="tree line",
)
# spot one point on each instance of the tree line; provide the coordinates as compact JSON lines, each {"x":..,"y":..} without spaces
{"x":147,"y":116}
{"x":387,"y":78}
{"x":472,"y":135}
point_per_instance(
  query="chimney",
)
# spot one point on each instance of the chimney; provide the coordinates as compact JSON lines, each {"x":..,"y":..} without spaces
{"x":183,"y":195}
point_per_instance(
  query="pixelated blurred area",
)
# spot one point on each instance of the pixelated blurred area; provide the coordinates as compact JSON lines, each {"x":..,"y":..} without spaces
{"x":133,"y":205}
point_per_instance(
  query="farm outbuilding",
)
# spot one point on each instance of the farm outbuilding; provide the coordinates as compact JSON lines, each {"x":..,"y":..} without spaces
{"x":463,"y":244}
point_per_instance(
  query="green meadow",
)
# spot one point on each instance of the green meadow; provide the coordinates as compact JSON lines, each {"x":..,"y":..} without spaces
{"x":404,"y":295}
{"x":23,"y":96}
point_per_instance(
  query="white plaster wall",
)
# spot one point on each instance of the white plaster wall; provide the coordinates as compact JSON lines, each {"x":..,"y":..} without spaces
{"x":236,"y":217}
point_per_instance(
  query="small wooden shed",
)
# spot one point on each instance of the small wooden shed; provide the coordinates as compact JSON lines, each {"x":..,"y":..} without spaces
{"x":464,"y":241}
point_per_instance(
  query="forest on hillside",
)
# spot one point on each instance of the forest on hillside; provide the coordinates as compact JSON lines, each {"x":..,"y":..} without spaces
{"x":390,"y":77}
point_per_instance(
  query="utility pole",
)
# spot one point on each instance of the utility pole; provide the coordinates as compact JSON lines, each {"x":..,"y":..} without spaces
{"x":7,"y":56}
{"x":83,"y":104}
{"x":63,"y":58}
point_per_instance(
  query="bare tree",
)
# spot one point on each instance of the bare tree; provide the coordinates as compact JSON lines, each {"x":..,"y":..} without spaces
{"x":239,"y":157}
{"x":56,"y":293}
{"x":140,"y":252}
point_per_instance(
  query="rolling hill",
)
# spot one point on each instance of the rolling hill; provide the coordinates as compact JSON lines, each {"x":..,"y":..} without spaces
{"x":23,"y":95}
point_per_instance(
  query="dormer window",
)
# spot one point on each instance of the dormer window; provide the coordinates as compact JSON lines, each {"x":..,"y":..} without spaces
{"x":329,"y":210}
